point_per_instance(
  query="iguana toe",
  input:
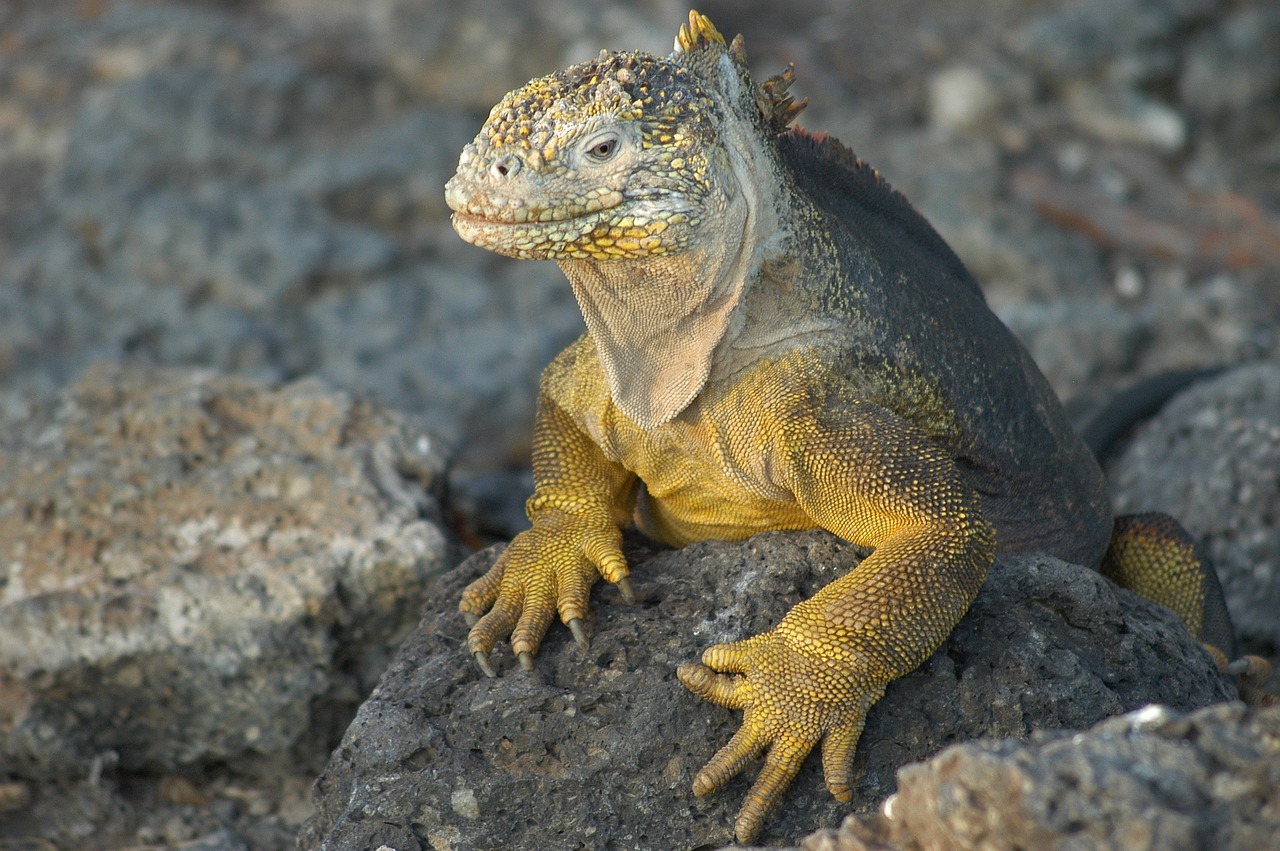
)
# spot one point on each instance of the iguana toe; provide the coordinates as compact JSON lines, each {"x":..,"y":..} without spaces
{"x":780,"y":768}
{"x":1247,"y":666}
{"x":837,"y":757}
{"x":579,"y":633}
{"x":481,"y":594}
{"x":719,"y":689}
{"x":791,"y":700}
{"x":1251,"y":674}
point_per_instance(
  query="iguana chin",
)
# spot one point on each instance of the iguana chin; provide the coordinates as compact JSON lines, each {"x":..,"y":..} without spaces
{"x":775,"y":340}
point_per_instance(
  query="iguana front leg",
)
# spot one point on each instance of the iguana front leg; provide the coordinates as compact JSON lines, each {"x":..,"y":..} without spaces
{"x":578,"y":502}
{"x":875,"y":480}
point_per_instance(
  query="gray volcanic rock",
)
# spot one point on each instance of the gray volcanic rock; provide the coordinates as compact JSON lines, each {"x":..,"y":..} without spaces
{"x":1210,"y":458}
{"x":1151,"y":779}
{"x":599,"y":749}
{"x":192,"y":566}
{"x":255,"y":198}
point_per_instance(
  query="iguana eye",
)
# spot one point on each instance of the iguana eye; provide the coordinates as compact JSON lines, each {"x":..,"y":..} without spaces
{"x":602,"y":149}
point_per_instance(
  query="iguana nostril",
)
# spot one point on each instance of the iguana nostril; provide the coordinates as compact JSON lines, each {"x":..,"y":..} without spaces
{"x":505,"y":166}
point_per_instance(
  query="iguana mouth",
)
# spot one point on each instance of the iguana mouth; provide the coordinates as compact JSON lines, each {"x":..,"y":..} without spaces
{"x":626,"y":228}
{"x":557,"y":228}
{"x":532,"y":222}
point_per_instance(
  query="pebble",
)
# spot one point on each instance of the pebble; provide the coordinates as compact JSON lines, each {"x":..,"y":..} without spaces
{"x":961,"y":99}
{"x":1126,"y":116}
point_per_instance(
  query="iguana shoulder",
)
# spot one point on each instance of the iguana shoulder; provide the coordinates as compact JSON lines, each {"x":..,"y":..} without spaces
{"x":917,"y":337}
{"x":855,"y":196}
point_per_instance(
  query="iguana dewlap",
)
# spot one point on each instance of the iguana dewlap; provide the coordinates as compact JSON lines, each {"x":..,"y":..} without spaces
{"x":776,"y":340}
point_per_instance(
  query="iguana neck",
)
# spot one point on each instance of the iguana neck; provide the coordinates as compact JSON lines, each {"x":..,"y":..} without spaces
{"x":657,"y":322}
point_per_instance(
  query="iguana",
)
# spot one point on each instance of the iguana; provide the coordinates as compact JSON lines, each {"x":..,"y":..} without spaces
{"x":775,"y":339}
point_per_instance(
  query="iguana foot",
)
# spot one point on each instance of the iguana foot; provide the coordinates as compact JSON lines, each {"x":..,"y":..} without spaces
{"x":546,"y":570}
{"x":1251,"y":674}
{"x":791,"y":700}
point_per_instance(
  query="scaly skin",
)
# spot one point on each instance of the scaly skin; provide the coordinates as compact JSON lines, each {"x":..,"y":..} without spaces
{"x":776,"y":340}
{"x":814,"y":677}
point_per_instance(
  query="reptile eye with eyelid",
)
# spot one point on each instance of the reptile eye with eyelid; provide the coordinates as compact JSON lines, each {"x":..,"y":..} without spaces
{"x":603,"y":149}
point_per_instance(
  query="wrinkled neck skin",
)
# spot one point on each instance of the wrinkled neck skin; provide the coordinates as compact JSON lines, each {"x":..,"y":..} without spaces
{"x":659,"y":323}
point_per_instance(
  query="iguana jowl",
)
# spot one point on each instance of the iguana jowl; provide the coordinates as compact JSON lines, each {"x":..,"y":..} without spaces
{"x":776,"y":340}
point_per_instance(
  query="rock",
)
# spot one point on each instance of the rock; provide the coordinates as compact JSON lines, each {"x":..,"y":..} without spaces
{"x":1210,"y":458}
{"x":1057,"y":332}
{"x":599,"y":749}
{"x":463,"y":349}
{"x":194,"y":568}
{"x":262,"y":211}
{"x":1125,"y":116}
{"x":1150,"y":779}
{"x":1129,"y":42}
{"x":962,"y":98}
{"x":1234,"y":67}
{"x":474,"y":53}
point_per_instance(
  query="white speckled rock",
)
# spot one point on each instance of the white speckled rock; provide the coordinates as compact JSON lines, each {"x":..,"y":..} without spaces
{"x":190,"y":564}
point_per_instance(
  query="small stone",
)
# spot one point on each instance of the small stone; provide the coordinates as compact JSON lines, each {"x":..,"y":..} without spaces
{"x":962,"y":99}
{"x":464,"y":803}
{"x":1072,"y":158}
{"x":14,"y":796}
{"x":1124,"y":115}
{"x":1129,"y":282}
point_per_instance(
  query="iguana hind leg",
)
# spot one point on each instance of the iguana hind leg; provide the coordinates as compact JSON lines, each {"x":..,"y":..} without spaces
{"x":1155,"y":557}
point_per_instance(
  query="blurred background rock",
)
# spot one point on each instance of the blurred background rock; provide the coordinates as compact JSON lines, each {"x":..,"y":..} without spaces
{"x":251,"y":191}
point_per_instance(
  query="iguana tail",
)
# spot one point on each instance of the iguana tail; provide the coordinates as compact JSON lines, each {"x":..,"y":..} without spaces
{"x":1108,"y":426}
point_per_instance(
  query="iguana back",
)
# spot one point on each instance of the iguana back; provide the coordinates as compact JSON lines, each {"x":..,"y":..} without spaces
{"x":921,"y":341}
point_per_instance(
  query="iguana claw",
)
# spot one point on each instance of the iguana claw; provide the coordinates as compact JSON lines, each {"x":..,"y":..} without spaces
{"x":624,"y":586}
{"x":1245,"y":666}
{"x":579,"y":633}
{"x":1251,"y":674}
{"x":526,"y":660}
{"x":482,"y":659}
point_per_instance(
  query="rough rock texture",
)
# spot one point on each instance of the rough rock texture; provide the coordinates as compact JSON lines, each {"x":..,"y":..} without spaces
{"x":260,"y":199}
{"x":254,"y":187}
{"x":599,"y":749}
{"x":193,"y":567}
{"x":1153,"y":779}
{"x":1212,"y":459}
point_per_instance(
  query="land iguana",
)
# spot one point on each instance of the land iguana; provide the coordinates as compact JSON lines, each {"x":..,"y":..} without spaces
{"x":775,"y":339}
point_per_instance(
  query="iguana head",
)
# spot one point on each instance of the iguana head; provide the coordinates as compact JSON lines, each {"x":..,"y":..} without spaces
{"x":653,"y":182}
{"x":619,"y":157}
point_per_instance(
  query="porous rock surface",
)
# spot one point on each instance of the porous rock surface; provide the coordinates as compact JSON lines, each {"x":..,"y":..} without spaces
{"x":1152,"y":779}
{"x":599,"y":749}
{"x":192,"y":565}
{"x":1211,"y":458}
